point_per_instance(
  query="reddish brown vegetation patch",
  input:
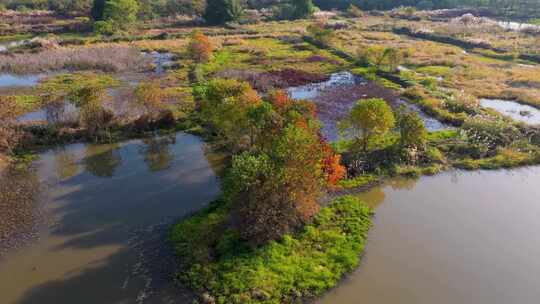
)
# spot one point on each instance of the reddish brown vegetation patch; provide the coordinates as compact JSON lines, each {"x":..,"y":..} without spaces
{"x":265,"y":81}
{"x":292,"y":77}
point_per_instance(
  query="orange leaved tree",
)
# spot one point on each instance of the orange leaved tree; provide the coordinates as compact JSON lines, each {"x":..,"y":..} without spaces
{"x":200,"y":48}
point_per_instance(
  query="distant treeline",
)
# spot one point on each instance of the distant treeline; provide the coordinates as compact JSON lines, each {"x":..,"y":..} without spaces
{"x":508,"y":8}
{"x":157,"y":8}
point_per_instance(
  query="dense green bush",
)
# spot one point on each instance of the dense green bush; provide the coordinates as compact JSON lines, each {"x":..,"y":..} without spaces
{"x":103,"y":27}
{"x":120,"y":13}
{"x":222,"y":11}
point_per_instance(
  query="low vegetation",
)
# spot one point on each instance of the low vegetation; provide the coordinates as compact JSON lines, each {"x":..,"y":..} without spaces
{"x":298,"y":266}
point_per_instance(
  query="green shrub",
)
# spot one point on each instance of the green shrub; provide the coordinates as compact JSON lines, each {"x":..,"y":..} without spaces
{"x":103,"y":28}
{"x":357,"y":182}
{"x":120,"y":13}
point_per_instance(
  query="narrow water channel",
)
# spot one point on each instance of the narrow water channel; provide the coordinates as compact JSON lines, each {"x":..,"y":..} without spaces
{"x":107,"y":208}
{"x":458,"y":237}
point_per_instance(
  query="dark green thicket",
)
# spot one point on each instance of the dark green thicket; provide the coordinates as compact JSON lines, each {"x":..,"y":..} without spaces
{"x":98,"y":7}
{"x":222,"y":11}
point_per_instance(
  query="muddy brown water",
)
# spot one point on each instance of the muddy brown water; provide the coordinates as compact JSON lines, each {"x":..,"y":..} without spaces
{"x":452,"y":238}
{"x":108,"y":208}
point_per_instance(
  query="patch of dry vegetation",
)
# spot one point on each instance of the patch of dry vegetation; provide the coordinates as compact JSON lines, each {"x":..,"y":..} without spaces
{"x":107,"y":58}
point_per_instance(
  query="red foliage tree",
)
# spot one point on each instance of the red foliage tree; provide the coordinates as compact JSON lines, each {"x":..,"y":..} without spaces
{"x":331,"y":166}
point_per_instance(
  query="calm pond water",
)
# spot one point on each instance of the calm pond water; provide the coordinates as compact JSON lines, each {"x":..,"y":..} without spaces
{"x":514,"y":110}
{"x":452,"y":238}
{"x":108,"y":208}
{"x":12,"y":80}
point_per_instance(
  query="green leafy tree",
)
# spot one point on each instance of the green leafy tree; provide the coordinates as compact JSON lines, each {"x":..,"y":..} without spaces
{"x":222,"y":11}
{"x":224,"y":105}
{"x":302,"y":9}
{"x":121,"y":13}
{"x":187,"y":7}
{"x":103,"y":27}
{"x":369,"y":118}
{"x":412,"y":130}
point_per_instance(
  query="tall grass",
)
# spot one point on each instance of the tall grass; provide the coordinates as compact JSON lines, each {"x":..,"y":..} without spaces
{"x":112,"y":58}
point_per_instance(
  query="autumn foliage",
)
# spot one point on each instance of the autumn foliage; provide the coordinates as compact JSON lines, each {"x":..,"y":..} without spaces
{"x":282,"y":164}
{"x":331,"y":164}
{"x":200,"y":48}
{"x":223,"y":106}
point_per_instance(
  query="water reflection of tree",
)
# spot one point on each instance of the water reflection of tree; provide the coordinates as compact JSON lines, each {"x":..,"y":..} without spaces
{"x":102,"y":160}
{"x":65,"y":163}
{"x":375,"y":196}
{"x":157,"y":154}
{"x":402,"y":183}
{"x":218,"y":161}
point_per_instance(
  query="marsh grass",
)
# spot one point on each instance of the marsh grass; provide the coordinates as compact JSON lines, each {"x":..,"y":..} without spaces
{"x":106,"y":58}
{"x":505,"y":158}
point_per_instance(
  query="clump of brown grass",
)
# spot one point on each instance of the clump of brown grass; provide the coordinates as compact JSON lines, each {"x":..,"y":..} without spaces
{"x":113,"y":58}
